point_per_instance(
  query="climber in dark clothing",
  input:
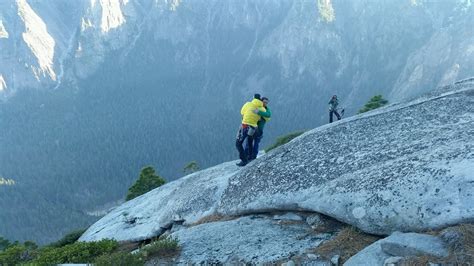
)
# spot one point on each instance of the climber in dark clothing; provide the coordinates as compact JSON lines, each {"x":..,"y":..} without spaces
{"x":333,"y":103}
{"x":265,"y":115}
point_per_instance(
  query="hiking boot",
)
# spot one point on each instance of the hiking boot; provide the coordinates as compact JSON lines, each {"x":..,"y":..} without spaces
{"x":241,"y":163}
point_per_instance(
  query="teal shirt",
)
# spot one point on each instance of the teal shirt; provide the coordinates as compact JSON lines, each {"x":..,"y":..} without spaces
{"x":333,"y":103}
{"x":262,"y":121}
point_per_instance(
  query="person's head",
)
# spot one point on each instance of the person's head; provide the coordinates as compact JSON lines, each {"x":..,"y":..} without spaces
{"x":256,"y":96}
{"x":334,"y":97}
{"x":265,"y":101}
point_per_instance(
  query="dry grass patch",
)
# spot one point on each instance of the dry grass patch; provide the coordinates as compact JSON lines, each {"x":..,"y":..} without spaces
{"x":329,"y":225}
{"x":461,"y":250}
{"x":163,"y":248}
{"x":289,"y":222}
{"x":454,"y":259}
{"x":348,"y":242}
{"x":213,"y":218}
{"x":467,"y":231}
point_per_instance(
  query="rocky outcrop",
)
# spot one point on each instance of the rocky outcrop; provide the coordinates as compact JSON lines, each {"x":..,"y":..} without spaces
{"x":38,"y":39}
{"x":405,"y":167}
{"x":254,"y":239}
{"x":189,"y":198}
{"x":394,"y":248}
{"x":413,"y":244}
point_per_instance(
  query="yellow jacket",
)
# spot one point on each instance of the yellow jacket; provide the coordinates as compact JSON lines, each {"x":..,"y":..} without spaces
{"x":248,"y":116}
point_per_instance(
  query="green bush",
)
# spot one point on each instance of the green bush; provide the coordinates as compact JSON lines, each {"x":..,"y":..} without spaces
{"x":374,"y":103}
{"x":103,"y":252}
{"x":68,"y":238}
{"x":17,"y":254}
{"x":164,"y":247}
{"x":284,"y":139}
{"x":146,"y":182}
{"x":191,"y":167}
{"x":120,"y":259}
{"x":79,"y":252}
{"x":4,"y":243}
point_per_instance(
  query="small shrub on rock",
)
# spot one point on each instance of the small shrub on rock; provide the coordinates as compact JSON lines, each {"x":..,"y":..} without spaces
{"x":120,"y":259}
{"x":79,"y":252}
{"x":17,"y":254}
{"x":165,"y":247}
{"x":283,"y":140}
{"x":374,"y":103}
{"x":4,"y":243}
{"x":68,"y":238}
{"x":191,"y":167}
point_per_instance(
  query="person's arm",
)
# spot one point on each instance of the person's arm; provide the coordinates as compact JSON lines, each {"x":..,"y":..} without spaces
{"x":266,"y":114}
{"x":243,"y":109}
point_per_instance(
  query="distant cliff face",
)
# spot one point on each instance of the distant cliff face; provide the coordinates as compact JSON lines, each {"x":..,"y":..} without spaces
{"x":97,"y":89}
{"x":351,"y":48}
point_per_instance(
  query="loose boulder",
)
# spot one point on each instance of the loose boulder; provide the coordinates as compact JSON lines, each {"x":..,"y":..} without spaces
{"x":397,"y":246}
{"x":413,"y":244}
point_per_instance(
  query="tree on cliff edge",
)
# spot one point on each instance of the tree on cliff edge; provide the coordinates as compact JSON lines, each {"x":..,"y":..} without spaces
{"x":147,"y":181}
{"x":374,"y":103}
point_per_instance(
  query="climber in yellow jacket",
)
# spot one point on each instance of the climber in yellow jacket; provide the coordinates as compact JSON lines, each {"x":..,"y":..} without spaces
{"x":257,"y":137}
{"x":248,"y":127}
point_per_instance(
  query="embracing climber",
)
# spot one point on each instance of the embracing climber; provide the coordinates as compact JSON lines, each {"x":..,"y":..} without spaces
{"x":248,"y":127}
{"x":257,"y":137}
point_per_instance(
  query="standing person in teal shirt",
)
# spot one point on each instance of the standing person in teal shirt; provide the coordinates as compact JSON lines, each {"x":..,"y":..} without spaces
{"x":265,"y":117}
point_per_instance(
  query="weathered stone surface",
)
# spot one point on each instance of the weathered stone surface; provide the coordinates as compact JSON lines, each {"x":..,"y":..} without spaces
{"x":316,"y":263}
{"x":314,"y":220}
{"x":312,"y":256}
{"x":392,"y":261}
{"x":310,"y":259}
{"x":245,"y":239}
{"x":406,"y":167}
{"x":413,"y":244}
{"x":371,"y":255}
{"x":189,"y":198}
{"x":398,"y":244}
{"x":335,"y":260}
{"x":288,"y":216}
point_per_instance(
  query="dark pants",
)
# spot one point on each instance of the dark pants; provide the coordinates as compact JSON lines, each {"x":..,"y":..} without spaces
{"x":245,"y":132}
{"x":334,"y":112}
{"x":257,"y":137}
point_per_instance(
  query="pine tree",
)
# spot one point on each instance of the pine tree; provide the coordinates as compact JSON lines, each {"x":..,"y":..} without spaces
{"x":374,"y":103}
{"x":146,"y":182}
{"x":191,"y":167}
{"x":4,"y":243}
